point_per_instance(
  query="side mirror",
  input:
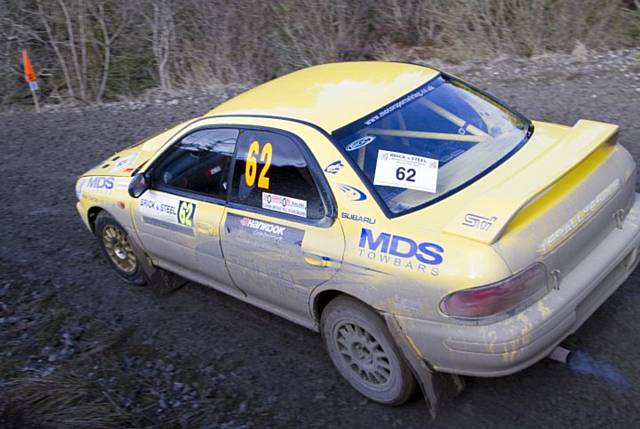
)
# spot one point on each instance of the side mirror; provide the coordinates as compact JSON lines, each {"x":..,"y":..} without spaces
{"x":139,"y":184}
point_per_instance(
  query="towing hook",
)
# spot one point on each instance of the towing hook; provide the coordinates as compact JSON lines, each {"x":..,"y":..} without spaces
{"x":560,"y":354}
{"x":619,"y":218}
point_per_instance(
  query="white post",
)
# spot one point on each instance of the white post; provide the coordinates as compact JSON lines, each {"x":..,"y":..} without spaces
{"x":32,"y":87}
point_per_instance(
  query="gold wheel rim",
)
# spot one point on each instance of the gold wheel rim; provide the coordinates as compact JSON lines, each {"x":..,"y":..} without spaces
{"x":119,"y":250}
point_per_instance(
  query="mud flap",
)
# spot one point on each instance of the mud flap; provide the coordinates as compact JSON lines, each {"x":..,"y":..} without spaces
{"x":162,"y":282}
{"x":436,"y":387}
{"x":147,"y":267}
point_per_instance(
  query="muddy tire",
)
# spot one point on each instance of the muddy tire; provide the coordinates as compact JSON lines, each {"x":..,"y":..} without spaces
{"x":364,"y":352}
{"x":114,"y":242}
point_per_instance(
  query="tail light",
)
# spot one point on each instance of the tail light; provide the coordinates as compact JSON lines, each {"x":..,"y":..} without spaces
{"x":498,"y":298}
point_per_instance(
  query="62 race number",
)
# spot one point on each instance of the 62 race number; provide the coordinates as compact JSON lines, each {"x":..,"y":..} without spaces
{"x":406,"y":174}
{"x":186,"y":210}
{"x":251,"y":166}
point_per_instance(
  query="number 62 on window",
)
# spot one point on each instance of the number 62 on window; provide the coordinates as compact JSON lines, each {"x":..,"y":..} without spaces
{"x":251,"y":166}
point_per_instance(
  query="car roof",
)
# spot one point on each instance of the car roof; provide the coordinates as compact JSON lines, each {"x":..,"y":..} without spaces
{"x":329,"y":95}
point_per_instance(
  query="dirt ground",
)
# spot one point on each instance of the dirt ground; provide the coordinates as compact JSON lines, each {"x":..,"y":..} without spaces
{"x":79,"y":348}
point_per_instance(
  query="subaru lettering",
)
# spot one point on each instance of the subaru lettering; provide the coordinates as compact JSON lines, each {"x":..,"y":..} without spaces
{"x":358,"y":218}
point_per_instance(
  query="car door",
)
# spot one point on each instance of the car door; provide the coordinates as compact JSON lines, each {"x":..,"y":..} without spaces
{"x":280,"y":237}
{"x":178,"y":220}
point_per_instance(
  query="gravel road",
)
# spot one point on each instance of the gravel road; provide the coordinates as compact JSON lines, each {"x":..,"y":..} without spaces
{"x":197,"y":358}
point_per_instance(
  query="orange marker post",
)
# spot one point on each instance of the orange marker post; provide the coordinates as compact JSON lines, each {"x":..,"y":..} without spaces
{"x":31,"y":78}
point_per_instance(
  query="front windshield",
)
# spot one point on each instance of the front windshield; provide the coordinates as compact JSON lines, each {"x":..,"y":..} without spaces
{"x":431,"y":142}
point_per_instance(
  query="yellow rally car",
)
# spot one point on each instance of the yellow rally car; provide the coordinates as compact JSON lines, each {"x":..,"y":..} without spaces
{"x":419,"y":224}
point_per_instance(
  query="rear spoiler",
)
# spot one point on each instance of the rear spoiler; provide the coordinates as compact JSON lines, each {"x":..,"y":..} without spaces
{"x":485,"y":218}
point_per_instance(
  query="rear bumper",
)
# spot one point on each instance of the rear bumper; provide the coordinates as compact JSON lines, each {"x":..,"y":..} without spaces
{"x":513,"y":344}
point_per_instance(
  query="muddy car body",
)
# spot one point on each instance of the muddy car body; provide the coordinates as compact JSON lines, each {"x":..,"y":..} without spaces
{"x":345,"y":195}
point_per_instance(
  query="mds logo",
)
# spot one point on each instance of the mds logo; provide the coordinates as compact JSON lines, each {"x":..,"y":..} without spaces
{"x":100,"y":182}
{"x":389,"y":248}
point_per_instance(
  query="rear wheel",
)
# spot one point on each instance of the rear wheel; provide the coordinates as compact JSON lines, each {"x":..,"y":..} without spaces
{"x":364,"y":353}
{"x":114,"y":242}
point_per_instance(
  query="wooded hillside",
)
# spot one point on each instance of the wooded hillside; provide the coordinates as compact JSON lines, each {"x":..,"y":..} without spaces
{"x":95,"y":50}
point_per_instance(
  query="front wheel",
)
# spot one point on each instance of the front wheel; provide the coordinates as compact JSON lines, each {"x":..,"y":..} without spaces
{"x":114,"y":242}
{"x":364,"y":353}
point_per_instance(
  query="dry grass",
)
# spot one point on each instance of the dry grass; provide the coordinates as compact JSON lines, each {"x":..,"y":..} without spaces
{"x":477,"y":29}
{"x":64,"y":370}
{"x":70,"y":400}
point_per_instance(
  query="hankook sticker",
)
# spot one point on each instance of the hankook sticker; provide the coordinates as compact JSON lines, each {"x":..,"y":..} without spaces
{"x":262,"y":229}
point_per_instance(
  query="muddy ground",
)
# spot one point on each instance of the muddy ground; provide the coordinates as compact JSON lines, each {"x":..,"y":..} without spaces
{"x":79,"y":348}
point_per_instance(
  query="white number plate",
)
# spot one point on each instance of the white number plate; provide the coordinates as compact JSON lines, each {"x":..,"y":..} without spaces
{"x":403,"y":170}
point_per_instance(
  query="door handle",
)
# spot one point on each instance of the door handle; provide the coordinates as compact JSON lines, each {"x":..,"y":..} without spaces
{"x":317,"y":260}
{"x":206,"y":228}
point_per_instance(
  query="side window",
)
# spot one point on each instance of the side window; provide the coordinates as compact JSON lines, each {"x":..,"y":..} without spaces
{"x":271,"y":173}
{"x":199,"y":162}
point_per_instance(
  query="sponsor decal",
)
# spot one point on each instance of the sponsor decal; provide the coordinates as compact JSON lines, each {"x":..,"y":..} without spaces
{"x":480,"y":222}
{"x":354,"y":194}
{"x":268,"y":230}
{"x":157,"y":207}
{"x":361,"y":142}
{"x":169,"y":213}
{"x":400,"y":251}
{"x":282,"y":204}
{"x":101,"y":184}
{"x":334,"y":167}
{"x":122,"y":184}
{"x":213,"y":171}
{"x":93,"y":199}
{"x":357,"y":218}
{"x":79,"y":186}
{"x":566,"y":230}
{"x":403,"y":170}
{"x":186,"y":211}
{"x":124,"y":162}
{"x":398,"y":104}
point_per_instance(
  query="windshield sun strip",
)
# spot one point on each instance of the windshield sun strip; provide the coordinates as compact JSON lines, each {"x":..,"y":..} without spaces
{"x":426,"y":135}
{"x":373,"y":117}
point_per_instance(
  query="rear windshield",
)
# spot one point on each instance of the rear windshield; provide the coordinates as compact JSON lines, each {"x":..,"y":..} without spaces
{"x":431,"y":142}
